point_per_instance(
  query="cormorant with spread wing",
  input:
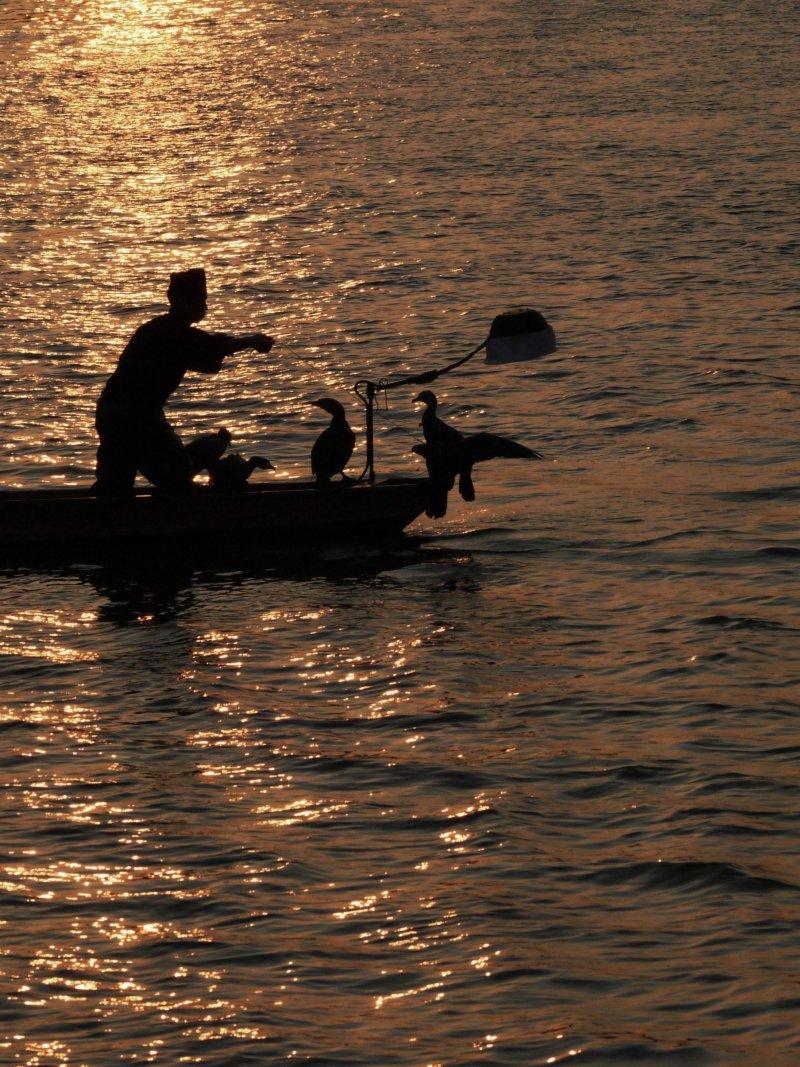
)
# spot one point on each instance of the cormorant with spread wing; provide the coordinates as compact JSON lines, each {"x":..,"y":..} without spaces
{"x":333,"y":448}
{"x":449,"y":454}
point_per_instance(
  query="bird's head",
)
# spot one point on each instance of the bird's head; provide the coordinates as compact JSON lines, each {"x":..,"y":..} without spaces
{"x":262,"y":463}
{"x":333,"y":407}
{"x":426,"y":397}
{"x":225,"y":435}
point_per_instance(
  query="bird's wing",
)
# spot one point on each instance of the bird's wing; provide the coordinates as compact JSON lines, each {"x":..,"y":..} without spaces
{"x":448,"y":435}
{"x":204,"y":451}
{"x":349,"y":441}
{"x":437,"y":432}
{"x":319,"y":455}
{"x":332,"y":451}
{"x":482,"y":446}
{"x":342,"y":445}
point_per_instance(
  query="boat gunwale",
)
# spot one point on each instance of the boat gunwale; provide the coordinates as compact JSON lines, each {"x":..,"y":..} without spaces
{"x":205,"y":493}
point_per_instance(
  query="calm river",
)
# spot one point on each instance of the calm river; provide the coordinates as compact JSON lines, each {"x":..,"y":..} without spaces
{"x":525,"y":791}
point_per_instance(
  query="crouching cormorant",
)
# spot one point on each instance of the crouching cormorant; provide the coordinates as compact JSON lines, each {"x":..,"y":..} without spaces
{"x":208,"y":449}
{"x":226,"y":473}
{"x":333,"y":448}
{"x":449,"y":454}
{"x":232,"y":472}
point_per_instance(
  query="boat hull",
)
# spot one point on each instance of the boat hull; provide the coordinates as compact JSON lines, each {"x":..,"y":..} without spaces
{"x":76,"y":525}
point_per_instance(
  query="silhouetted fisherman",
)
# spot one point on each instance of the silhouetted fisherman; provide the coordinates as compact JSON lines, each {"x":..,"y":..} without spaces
{"x":333,"y":448}
{"x":133,"y":430}
{"x":449,"y":454}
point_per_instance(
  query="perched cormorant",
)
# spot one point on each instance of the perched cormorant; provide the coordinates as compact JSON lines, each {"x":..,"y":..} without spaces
{"x":333,"y":448}
{"x":208,"y":449}
{"x":449,"y":454}
{"x":231,"y":472}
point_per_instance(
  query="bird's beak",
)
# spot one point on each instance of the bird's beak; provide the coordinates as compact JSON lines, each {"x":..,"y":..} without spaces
{"x":315,"y":403}
{"x":418,"y":399}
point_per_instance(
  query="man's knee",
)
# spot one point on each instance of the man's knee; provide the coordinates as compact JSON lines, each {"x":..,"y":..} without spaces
{"x":168,"y":467}
{"x":115,"y":472}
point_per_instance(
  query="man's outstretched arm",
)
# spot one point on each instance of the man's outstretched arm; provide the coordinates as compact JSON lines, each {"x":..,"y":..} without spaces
{"x":259,"y":341}
{"x":208,"y":350}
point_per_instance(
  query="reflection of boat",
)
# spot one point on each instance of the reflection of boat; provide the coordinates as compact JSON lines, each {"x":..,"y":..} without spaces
{"x":137,"y":588}
{"x":74,"y":525}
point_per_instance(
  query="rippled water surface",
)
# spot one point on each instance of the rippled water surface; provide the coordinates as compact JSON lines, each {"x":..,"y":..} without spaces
{"x":522,"y":791}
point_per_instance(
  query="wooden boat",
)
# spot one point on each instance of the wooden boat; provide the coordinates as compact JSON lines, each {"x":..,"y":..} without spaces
{"x":72,"y":525}
{"x":75,"y":526}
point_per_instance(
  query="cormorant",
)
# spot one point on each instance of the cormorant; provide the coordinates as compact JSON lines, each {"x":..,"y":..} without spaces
{"x":333,"y":448}
{"x":434,"y":430}
{"x":440,"y":451}
{"x":231,"y":472}
{"x":449,"y":454}
{"x":208,"y":449}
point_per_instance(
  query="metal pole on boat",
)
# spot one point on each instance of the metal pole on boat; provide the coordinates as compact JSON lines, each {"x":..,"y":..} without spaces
{"x":371,"y":389}
{"x":514,"y":337}
{"x":365,"y":390}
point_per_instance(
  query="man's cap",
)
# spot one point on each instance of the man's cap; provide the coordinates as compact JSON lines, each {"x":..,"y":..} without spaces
{"x":188,"y":285}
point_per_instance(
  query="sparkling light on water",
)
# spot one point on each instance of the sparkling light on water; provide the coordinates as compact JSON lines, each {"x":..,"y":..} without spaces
{"x":526,"y":794}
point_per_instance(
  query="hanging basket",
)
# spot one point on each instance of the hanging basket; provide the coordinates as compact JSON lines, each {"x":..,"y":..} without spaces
{"x":518,"y":336}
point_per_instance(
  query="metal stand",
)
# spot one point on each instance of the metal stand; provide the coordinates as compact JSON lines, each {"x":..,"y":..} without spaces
{"x":366,"y":391}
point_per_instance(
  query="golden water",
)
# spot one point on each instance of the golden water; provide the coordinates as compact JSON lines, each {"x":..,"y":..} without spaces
{"x":527,"y":792}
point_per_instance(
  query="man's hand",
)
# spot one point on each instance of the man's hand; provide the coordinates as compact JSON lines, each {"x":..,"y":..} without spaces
{"x":261,"y":342}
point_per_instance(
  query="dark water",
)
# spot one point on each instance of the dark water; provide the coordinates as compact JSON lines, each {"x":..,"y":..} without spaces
{"x":525,"y":791}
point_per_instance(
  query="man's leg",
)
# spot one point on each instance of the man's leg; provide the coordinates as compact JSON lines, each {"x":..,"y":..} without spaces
{"x":115,"y":471}
{"x":161,"y":457}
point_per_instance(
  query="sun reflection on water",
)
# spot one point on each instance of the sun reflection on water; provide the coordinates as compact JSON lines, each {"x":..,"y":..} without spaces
{"x":269,"y":819}
{"x":133,"y":30}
